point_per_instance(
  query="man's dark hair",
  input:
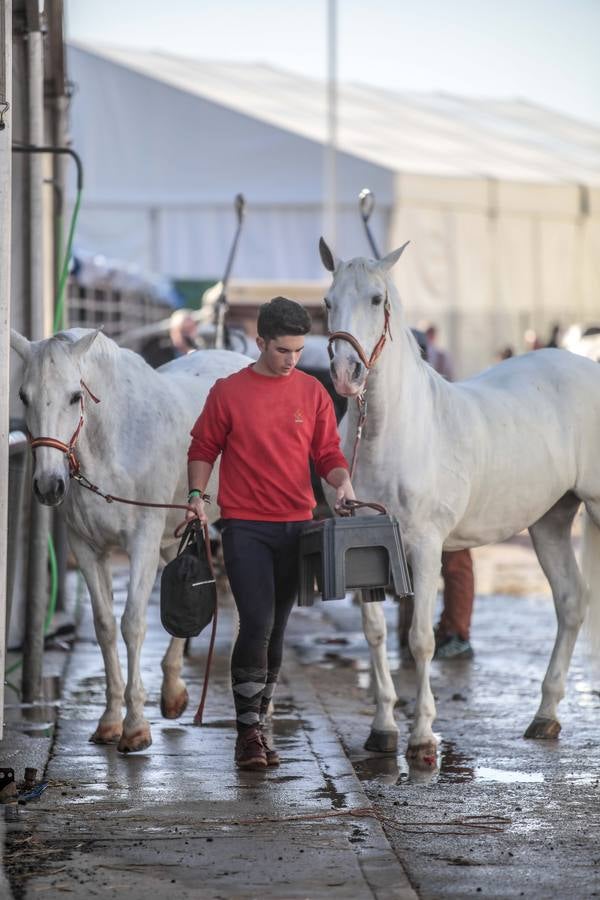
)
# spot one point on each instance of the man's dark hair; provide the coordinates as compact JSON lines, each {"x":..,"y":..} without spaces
{"x":281,"y":316}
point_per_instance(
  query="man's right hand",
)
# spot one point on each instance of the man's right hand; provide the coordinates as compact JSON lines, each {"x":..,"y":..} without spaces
{"x":196,"y":510}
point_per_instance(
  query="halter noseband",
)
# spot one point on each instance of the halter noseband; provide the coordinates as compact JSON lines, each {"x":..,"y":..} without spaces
{"x":67,"y":449}
{"x":361,"y":399}
{"x":368,"y":363}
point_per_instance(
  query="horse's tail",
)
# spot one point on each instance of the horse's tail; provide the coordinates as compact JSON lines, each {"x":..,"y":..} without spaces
{"x":590,"y":569}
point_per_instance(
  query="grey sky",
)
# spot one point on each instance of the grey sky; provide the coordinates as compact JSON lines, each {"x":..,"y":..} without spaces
{"x":542,"y":50}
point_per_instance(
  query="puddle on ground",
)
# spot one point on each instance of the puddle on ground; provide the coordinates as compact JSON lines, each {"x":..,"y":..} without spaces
{"x":331,"y":793}
{"x":37,"y":719}
{"x":39,"y":730}
{"x":455,"y":768}
{"x":284,"y":779}
{"x":383,"y":769}
{"x":588,"y":697}
{"x":582,"y":778}
{"x":212,"y":723}
{"x":505,"y":776}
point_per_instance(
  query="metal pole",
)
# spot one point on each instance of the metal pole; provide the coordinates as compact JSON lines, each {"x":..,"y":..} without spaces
{"x":37,"y":593}
{"x":330,"y":179}
{"x":35,"y":71}
{"x":5,"y":260}
{"x":222,"y":304}
{"x":366,"y":204}
{"x":60,"y":138}
{"x":18,"y":471}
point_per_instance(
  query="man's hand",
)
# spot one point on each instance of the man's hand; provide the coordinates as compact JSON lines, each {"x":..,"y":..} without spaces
{"x":340,"y":480}
{"x":344,"y":492}
{"x":196,"y":510}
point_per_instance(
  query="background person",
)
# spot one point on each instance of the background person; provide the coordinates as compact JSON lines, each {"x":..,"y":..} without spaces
{"x":452,"y":633}
{"x":266,"y":421}
{"x":183,"y":332}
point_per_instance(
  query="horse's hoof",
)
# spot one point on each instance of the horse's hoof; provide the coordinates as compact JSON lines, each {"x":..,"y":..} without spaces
{"x":136,"y":742}
{"x":422,"y":756}
{"x":174,"y":708}
{"x":107,"y":734}
{"x":543,"y":729}
{"x":382,"y":741}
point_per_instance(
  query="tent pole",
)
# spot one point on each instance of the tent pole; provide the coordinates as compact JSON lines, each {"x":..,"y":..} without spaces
{"x":330,"y":179}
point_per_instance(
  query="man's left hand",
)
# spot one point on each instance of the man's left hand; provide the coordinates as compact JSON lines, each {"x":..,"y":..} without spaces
{"x":344,"y":492}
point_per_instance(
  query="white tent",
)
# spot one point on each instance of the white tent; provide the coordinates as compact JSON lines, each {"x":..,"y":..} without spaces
{"x":501,"y":200}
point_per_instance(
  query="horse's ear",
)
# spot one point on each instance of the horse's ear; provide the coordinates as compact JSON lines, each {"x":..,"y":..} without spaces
{"x":21,"y":345}
{"x":392,"y":258}
{"x":330,"y":261}
{"x":83,"y":344}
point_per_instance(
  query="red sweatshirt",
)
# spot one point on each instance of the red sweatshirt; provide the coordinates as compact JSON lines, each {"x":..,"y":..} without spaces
{"x":266,"y":428}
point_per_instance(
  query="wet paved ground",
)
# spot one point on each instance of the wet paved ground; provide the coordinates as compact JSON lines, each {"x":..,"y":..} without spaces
{"x":517,"y":818}
{"x":179,"y":819}
{"x":504,"y":817}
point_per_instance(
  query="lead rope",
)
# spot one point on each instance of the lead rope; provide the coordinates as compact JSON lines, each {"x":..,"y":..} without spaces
{"x":213,"y":633}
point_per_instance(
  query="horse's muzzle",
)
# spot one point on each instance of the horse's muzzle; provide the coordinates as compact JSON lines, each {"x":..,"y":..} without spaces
{"x":50,"y":491}
{"x":348,"y":377}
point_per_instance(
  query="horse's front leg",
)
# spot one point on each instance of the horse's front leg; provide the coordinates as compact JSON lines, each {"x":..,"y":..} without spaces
{"x":384,"y":731}
{"x":143,"y":554}
{"x":425,"y":561}
{"x":96,"y":571}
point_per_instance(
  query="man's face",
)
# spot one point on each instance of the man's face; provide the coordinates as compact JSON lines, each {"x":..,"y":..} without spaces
{"x":280,"y":355}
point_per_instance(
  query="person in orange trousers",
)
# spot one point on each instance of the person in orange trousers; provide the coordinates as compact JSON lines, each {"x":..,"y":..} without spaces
{"x":453,"y":630}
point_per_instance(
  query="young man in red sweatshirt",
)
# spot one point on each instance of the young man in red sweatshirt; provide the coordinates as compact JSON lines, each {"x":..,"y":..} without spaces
{"x":266,"y":421}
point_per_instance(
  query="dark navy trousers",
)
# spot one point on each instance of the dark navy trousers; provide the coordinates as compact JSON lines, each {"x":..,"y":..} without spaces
{"x":261,"y":559}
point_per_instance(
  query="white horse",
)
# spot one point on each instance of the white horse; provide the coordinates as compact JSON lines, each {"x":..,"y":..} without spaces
{"x":132,"y":444}
{"x":466,"y":464}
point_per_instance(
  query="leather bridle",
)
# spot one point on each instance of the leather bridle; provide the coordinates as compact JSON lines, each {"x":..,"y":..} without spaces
{"x":368,"y":363}
{"x":67,"y":449}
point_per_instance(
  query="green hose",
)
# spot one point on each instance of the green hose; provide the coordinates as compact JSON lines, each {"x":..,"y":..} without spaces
{"x":59,"y":313}
{"x":53,"y":585}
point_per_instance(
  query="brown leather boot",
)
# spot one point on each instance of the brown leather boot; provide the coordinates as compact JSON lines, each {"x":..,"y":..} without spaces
{"x":270,"y":751}
{"x":250,"y":751}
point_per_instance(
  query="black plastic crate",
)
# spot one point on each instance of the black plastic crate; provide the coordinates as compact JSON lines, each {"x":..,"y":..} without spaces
{"x":340,"y":554}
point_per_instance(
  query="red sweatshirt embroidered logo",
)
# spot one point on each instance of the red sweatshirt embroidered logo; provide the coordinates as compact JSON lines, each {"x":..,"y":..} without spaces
{"x":298,"y":417}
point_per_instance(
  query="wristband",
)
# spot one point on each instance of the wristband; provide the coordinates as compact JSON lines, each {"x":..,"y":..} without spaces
{"x":196,"y":492}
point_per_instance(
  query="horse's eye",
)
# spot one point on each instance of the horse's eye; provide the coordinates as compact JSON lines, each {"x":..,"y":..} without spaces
{"x":327,"y":303}
{"x":376,"y":299}
{"x":23,"y":398}
{"x":76,"y":397}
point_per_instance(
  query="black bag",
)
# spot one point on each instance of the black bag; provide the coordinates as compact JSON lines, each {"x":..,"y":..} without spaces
{"x":188,"y":593}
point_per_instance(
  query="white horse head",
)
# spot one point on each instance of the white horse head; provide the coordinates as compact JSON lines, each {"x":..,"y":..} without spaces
{"x":51,"y":393}
{"x":359,"y":303}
